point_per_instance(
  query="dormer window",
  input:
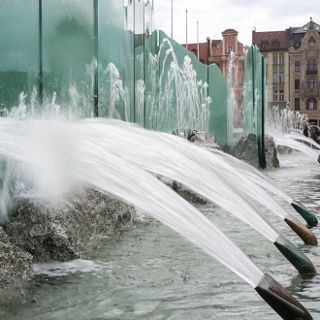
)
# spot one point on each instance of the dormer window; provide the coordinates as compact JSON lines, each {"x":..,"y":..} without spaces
{"x":275,"y":44}
{"x":264,"y":44}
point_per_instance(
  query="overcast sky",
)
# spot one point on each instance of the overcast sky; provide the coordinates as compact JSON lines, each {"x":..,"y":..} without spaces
{"x":217,"y":15}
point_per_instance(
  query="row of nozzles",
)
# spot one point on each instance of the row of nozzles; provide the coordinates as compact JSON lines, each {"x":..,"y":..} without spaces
{"x":270,"y":290}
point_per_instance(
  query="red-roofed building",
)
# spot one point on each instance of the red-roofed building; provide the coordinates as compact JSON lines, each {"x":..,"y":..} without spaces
{"x":218,"y":52}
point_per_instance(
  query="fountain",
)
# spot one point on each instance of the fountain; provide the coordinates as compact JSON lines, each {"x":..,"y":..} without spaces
{"x":77,"y":75}
{"x":93,"y":161}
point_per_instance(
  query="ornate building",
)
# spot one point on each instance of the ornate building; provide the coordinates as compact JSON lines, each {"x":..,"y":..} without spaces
{"x":292,"y":58}
{"x":219,"y":52}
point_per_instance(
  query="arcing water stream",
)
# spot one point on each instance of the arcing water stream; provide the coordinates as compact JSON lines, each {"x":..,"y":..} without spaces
{"x":111,"y":173}
{"x":105,"y":154}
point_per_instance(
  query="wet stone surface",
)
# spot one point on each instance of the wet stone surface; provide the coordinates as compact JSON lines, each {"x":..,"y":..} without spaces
{"x":247,"y":150}
{"x":61,"y":231}
{"x":15,"y":264}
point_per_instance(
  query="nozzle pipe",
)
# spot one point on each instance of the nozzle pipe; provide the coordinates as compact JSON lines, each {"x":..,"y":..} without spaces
{"x":299,"y":260}
{"x":310,"y":217}
{"x":302,"y":231}
{"x":281,"y":301}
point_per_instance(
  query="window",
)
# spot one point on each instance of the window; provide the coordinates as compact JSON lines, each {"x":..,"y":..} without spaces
{"x":281,"y":59}
{"x":312,"y":66}
{"x":281,"y":77}
{"x":312,"y":83}
{"x":275,"y":77}
{"x":278,"y":77}
{"x":264,"y":44}
{"x":275,"y":44}
{"x":230,"y":49}
{"x":297,"y":84}
{"x":297,"y":104}
{"x":312,"y":104}
{"x":297,"y":66}
{"x":278,"y":58}
{"x":281,"y":95}
{"x":275,"y":59}
{"x":278,"y":95}
{"x":313,"y":122}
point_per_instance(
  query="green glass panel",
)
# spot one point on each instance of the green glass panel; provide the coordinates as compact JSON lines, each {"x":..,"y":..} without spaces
{"x":182,"y":100}
{"x":254,"y":98}
{"x":151,"y":81}
{"x":129,"y":57}
{"x":218,"y":111}
{"x":139,"y":90}
{"x":113,"y":98}
{"x":68,"y":51}
{"x":248,"y":91}
{"x":150,"y":47}
{"x":259,"y":105}
{"x":19,"y":54}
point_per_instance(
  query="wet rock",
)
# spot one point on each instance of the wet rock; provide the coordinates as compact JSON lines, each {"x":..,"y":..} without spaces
{"x":247,"y":150}
{"x":201,"y":138}
{"x":284,"y":150}
{"x":182,"y":191}
{"x":15,"y":264}
{"x":188,"y":194}
{"x":60,"y":231}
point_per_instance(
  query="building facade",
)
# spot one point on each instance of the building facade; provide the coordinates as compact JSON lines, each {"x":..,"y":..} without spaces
{"x":220,"y":52}
{"x":293,"y":56}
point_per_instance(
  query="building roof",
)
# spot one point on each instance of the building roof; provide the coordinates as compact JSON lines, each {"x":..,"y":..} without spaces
{"x":230,"y":31}
{"x":215,"y":43}
{"x":308,"y":26}
{"x":271,"y":40}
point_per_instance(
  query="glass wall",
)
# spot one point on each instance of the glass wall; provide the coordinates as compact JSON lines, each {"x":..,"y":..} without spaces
{"x":68,"y":55}
{"x":112,"y":93}
{"x":19,"y":54}
{"x":254,"y":98}
{"x":102,"y":58}
{"x":218,"y":116}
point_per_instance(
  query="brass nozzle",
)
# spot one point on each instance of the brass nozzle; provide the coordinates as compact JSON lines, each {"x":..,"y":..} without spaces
{"x":287,"y":307}
{"x":302,"y":231}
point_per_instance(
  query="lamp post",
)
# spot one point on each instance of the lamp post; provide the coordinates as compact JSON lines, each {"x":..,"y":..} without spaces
{"x":171,"y":19}
{"x":198,"y":44}
{"x":187,"y":29}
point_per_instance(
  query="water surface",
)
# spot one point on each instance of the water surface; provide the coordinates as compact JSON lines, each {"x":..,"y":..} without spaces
{"x":149,"y":272}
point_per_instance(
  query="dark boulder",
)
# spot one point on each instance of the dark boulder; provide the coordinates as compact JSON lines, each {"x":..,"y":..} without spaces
{"x":15,"y":264}
{"x":247,"y":150}
{"x":60,"y":231}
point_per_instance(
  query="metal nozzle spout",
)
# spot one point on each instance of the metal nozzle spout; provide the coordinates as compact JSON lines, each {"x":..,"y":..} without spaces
{"x":299,"y":260}
{"x":302,"y":231}
{"x":287,"y":307}
{"x":310,"y":217}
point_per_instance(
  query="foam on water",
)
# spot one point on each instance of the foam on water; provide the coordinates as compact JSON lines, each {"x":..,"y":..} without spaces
{"x":58,"y":269}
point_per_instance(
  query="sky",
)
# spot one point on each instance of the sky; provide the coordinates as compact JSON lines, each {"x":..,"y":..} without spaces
{"x":215,"y":16}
